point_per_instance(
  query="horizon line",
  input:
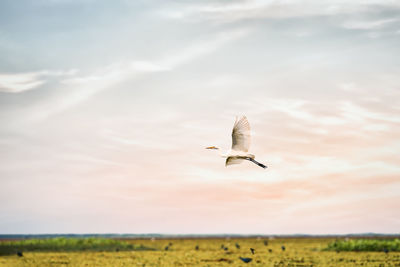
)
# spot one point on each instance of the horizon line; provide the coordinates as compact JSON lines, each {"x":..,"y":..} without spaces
{"x":222,"y":235}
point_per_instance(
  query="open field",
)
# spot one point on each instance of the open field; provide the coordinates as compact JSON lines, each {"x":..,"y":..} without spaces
{"x":211,"y":252}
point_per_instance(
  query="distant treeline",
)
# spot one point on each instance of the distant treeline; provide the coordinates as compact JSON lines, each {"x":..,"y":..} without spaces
{"x":385,"y":245}
{"x":189,"y":236}
{"x":42,"y":236}
{"x":67,"y":244}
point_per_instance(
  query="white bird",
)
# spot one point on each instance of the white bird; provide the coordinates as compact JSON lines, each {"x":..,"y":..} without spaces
{"x":240,"y":144}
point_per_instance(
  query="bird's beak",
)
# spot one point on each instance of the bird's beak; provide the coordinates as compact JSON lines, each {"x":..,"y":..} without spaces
{"x":211,"y":147}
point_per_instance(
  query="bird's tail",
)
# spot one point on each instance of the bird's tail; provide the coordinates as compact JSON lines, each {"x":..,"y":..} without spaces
{"x":258,"y":163}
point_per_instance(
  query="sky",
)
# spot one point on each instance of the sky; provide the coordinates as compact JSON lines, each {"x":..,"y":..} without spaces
{"x":106,"y":108}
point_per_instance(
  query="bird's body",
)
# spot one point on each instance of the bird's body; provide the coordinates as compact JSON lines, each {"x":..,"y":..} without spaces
{"x":240,"y":144}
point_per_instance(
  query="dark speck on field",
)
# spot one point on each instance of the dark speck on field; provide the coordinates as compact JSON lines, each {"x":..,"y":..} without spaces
{"x":223,"y":259}
{"x":270,"y":250}
{"x":246,"y":260}
{"x":265,"y":242}
{"x":219,"y":260}
{"x":252,"y":250}
{"x":197,"y":247}
{"x":170,"y":244}
{"x":237,"y":246}
{"x":166,"y":248}
{"x":19,"y":253}
{"x":225,"y":248}
{"x":385,"y":250}
{"x":283,"y":248}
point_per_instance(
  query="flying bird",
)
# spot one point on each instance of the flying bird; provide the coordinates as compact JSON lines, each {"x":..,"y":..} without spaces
{"x":240,"y":144}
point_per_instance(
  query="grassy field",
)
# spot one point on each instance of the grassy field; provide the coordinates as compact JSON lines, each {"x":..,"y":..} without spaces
{"x":211,"y":252}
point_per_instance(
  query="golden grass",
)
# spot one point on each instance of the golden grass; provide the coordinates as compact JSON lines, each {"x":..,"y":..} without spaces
{"x":299,"y":252}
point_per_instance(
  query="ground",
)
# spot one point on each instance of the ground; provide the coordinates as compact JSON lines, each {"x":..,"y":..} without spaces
{"x":182,"y":252}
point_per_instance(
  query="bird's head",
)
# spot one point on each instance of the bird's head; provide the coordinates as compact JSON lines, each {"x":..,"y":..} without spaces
{"x":212,"y":147}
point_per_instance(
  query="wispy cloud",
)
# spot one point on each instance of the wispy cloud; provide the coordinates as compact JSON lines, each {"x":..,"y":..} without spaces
{"x":79,"y":88}
{"x":368,"y":24}
{"x":115,"y":72}
{"x":21,"y":82}
{"x":17,"y":83}
{"x":224,"y":12}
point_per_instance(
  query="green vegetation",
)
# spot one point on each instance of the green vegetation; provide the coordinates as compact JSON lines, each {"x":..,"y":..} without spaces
{"x":68,"y":244}
{"x":365,"y":245}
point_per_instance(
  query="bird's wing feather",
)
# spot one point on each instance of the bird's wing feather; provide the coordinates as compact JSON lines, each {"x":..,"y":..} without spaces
{"x":241,"y":135}
{"x":233,"y":160}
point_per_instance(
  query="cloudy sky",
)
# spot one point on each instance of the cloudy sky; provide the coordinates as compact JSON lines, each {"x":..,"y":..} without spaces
{"x":106,"y":107}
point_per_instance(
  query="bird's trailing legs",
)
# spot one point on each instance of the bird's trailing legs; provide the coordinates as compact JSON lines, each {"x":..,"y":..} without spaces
{"x":256,"y":162}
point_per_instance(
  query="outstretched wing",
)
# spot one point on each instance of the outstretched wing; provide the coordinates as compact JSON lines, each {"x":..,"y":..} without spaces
{"x":241,"y":135}
{"x":232,"y":160}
